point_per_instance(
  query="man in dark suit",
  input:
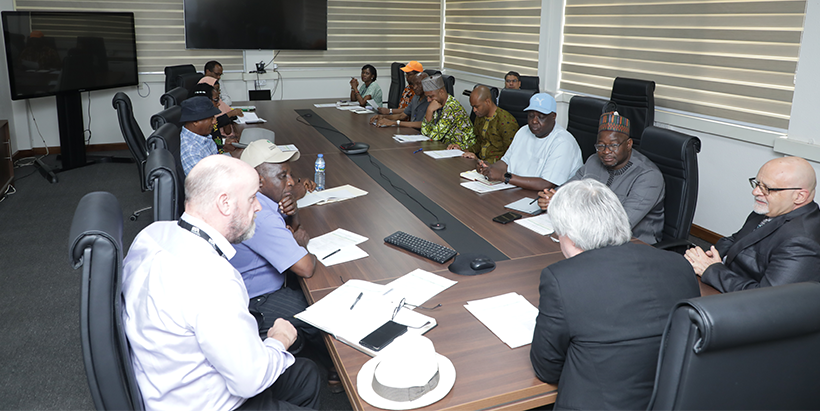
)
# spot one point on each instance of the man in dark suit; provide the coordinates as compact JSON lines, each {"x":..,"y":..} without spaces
{"x":602,"y":311}
{"x":780,"y":241}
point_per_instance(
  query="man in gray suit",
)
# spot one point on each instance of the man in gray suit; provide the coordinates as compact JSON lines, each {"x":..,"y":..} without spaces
{"x":602,"y":310}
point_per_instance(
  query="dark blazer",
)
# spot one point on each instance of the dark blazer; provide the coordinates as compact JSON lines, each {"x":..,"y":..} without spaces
{"x":600,"y":320}
{"x":783,"y":251}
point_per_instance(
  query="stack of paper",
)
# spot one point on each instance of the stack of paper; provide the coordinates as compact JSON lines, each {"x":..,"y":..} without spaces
{"x":356,"y":309}
{"x":481,"y":188}
{"x":473,"y":175}
{"x":324,"y":105}
{"x":525,"y":205}
{"x":409,"y":138}
{"x":245,"y":108}
{"x":438,"y":154}
{"x":417,"y":287}
{"x":509,"y":316}
{"x":250,"y":118}
{"x":330,"y":195}
{"x":337,"y":247}
{"x":540,"y":224}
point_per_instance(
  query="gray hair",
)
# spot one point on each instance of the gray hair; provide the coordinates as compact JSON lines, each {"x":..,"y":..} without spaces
{"x":589,"y":214}
{"x":209,"y":178}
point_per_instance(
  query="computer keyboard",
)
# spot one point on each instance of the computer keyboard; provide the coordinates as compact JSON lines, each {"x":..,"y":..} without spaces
{"x":424,"y":248}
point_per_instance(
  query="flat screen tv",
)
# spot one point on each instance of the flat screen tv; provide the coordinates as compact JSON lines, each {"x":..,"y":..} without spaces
{"x":256,"y":24}
{"x":51,"y":53}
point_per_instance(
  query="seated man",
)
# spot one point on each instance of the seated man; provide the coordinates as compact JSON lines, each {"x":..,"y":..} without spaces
{"x":198,"y":120}
{"x":194,"y":343}
{"x":214,"y":69}
{"x":494,"y":127}
{"x":412,"y":69}
{"x":413,"y":115}
{"x":445,"y":119}
{"x":634,"y":178}
{"x":542,"y":155}
{"x":602,"y":311}
{"x":780,"y":241}
{"x":512,"y":80}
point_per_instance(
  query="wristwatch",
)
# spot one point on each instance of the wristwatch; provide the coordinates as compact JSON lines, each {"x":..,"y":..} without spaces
{"x":507,"y":177}
{"x":398,"y":123}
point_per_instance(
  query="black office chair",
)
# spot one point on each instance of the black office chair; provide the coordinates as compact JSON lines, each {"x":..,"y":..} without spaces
{"x":449,"y":84}
{"x":396,"y":85}
{"x":584,"y":114}
{"x":161,"y":175}
{"x":173,"y":97}
{"x":134,"y":138}
{"x":746,"y":350}
{"x":515,"y":101}
{"x":95,"y":243}
{"x":530,"y":83}
{"x":493,"y":92}
{"x":189,"y":80}
{"x":636,"y":101}
{"x":167,"y":137}
{"x":168,"y":115}
{"x":676,"y":155}
{"x":173,"y":72}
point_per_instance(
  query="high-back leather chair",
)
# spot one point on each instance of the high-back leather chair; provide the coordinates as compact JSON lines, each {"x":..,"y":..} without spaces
{"x":636,"y":101}
{"x":161,"y":173}
{"x":530,"y":83}
{"x":132,"y":133}
{"x":95,"y":243}
{"x":493,"y":93}
{"x":746,"y":350}
{"x":167,"y":115}
{"x":396,"y":85}
{"x":584,"y":114}
{"x":249,"y":135}
{"x":189,"y":80}
{"x":173,"y":72}
{"x":676,"y":155}
{"x":173,"y":97}
{"x":449,"y":84}
{"x":167,"y":137}
{"x":515,"y":101}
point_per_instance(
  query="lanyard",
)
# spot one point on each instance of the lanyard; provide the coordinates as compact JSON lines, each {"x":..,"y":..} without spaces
{"x":188,"y":226}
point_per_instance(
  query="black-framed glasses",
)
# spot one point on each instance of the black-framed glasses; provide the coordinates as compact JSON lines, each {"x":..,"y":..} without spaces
{"x":612,"y":147}
{"x":764,"y":189}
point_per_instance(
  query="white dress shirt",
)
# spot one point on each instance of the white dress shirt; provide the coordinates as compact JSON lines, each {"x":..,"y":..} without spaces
{"x":195,"y":345}
{"x":554,"y":158}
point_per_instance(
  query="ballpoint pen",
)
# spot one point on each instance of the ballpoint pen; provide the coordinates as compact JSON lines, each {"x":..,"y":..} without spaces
{"x":357,"y":300}
{"x":331,"y":254}
{"x":533,"y":201}
{"x":418,"y":150}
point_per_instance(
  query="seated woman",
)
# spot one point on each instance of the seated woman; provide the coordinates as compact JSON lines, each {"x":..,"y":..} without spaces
{"x":369,"y":90}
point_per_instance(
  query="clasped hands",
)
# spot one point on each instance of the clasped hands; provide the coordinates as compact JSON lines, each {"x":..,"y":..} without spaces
{"x":701,"y":260}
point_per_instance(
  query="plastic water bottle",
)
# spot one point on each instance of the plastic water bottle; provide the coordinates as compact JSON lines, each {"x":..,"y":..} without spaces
{"x":319,"y":173}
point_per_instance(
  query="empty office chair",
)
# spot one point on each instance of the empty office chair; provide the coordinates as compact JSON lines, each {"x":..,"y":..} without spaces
{"x":584,"y":114}
{"x":250,"y":135}
{"x":173,"y":97}
{"x":396,"y":85}
{"x":95,"y":243}
{"x":676,"y":155}
{"x":173,"y":72}
{"x":161,"y":175}
{"x":168,"y":115}
{"x":515,"y":101}
{"x":134,"y":138}
{"x":746,"y":350}
{"x":636,"y":101}
{"x":167,"y":137}
{"x":530,"y":83}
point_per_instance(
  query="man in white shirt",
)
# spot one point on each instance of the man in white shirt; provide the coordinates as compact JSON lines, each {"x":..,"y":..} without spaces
{"x":542,"y":155}
{"x":195,"y":344}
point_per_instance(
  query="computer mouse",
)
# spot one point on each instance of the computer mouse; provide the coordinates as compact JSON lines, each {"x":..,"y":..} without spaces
{"x":479,"y":264}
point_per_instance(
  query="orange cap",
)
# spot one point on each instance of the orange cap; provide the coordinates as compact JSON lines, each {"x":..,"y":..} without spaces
{"x":413,"y":66}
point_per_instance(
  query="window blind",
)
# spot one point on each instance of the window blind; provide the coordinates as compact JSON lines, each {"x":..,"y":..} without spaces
{"x":728,"y":59}
{"x":492,"y":37}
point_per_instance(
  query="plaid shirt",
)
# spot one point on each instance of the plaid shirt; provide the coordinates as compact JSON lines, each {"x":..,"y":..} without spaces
{"x":193,"y":148}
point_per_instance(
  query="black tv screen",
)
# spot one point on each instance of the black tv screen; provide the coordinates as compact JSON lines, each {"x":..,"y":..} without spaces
{"x":50,"y":53}
{"x":256,"y":24}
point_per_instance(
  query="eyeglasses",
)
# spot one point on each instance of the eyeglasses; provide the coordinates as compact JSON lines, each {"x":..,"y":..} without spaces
{"x":403,"y":303}
{"x":765,"y":190}
{"x":612,"y":147}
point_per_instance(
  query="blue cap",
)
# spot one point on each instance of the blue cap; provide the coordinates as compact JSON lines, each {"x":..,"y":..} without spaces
{"x":542,"y":102}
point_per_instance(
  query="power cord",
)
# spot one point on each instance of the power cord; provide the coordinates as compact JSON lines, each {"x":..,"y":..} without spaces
{"x":146,"y":86}
{"x":88,"y":130}
{"x":31,"y":159}
{"x":7,"y":193}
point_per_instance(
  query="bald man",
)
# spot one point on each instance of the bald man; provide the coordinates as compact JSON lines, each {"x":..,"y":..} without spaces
{"x":780,"y":241}
{"x":194,"y":343}
{"x":494,"y":127}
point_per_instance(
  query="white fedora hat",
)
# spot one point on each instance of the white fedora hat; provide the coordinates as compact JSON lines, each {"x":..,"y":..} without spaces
{"x":407,"y":374}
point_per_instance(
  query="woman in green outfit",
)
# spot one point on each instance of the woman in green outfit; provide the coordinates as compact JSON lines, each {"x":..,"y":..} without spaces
{"x":369,"y":90}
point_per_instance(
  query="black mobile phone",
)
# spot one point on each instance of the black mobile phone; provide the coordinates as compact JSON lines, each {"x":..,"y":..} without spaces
{"x":507,"y":218}
{"x":383,"y":335}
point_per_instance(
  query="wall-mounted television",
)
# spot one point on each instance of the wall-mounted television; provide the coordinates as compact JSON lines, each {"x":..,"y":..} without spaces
{"x":256,"y":24}
{"x":49,"y":53}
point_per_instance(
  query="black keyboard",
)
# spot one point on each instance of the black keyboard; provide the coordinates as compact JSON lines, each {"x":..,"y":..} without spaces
{"x":424,"y":248}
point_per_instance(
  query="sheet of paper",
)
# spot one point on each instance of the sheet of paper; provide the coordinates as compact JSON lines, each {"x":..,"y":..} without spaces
{"x":541,"y":224}
{"x":344,"y":255}
{"x":250,"y":118}
{"x":409,"y":138}
{"x":349,"y":108}
{"x":338,"y":239}
{"x":325,"y":105}
{"x":482,"y":188}
{"x":330,"y":195}
{"x":417,"y":286}
{"x":509,"y":316}
{"x":245,"y":108}
{"x":523,"y":205}
{"x":473,"y":175}
{"x":438,"y":154}
{"x":287,"y":147}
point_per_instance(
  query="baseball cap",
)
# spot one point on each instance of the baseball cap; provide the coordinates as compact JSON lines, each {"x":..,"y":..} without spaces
{"x":412,"y":66}
{"x":264,"y":151}
{"x":542,"y":103}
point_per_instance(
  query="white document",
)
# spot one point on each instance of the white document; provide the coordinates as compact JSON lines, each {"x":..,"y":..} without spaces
{"x":287,"y":147}
{"x":509,"y":316}
{"x":417,"y":286}
{"x":329,"y":243}
{"x":344,"y":255}
{"x":541,"y":224}
{"x":250,"y":118}
{"x":523,"y":205}
{"x":325,"y":105}
{"x":354,"y":106}
{"x":330,"y":195}
{"x":409,"y":138}
{"x":473,"y":175}
{"x":438,"y":154}
{"x":482,"y":188}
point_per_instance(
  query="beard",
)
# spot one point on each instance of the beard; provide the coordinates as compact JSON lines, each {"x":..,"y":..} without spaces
{"x":761,"y":206}
{"x":241,"y":230}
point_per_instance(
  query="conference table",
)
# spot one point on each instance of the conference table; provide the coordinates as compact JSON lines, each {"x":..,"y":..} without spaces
{"x":406,"y":191}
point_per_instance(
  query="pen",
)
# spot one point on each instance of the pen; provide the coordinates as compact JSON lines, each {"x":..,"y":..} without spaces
{"x":533,"y":201}
{"x":332,"y":253}
{"x":357,"y":300}
{"x":417,"y":151}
